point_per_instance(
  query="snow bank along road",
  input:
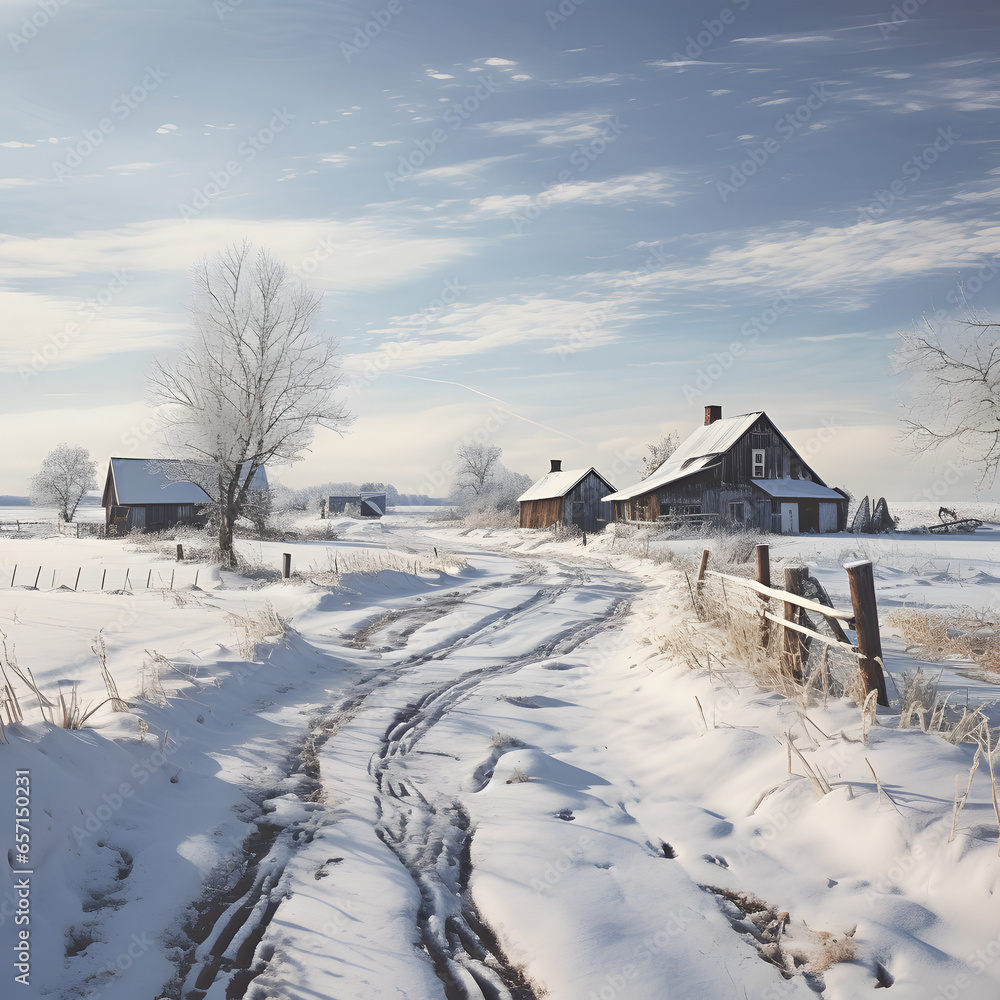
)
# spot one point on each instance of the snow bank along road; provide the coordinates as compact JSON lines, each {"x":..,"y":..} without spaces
{"x":484,"y":785}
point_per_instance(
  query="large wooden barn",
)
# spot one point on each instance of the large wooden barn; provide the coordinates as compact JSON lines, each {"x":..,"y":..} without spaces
{"x":572,"y":497}
{"x":142,"y":494}
{"x":736,"y":472}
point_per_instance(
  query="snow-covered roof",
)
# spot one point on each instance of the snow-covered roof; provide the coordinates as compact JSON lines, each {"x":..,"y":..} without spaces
{"x":149,"y":480}
{"x":798,"y":489}
{"x":557,"y":484}
{"x":699,"y":451}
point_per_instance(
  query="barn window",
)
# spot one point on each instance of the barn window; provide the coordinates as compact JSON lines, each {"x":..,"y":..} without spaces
{"x":736,"y":512}
{"x":185,"y":511}
{"x":758,"y":463}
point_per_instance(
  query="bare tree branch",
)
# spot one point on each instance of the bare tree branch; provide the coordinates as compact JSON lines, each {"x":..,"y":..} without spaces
{"x":953,"y":389}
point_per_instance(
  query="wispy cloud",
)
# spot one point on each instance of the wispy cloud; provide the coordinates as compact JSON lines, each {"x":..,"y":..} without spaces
{"x":364,"y":254}
{"x":470,"y":329}
{"x":654,"y":185}
{"x":467,"y":169}
{"x":581,"y":126}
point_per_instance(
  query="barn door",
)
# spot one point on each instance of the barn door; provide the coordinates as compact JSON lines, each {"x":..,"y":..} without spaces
{"x":789,"y":518}
{"x":827,"y":517}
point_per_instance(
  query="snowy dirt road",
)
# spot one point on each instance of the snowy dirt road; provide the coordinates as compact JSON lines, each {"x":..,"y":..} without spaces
{"x":480,"y":782}
{"x":366,"y":758}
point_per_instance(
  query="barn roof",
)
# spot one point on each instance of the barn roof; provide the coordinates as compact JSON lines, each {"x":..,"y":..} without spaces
{"x":796,"y":489}
{"x":149,"y":480}
{"x":558,"y":484}
{"x":701,"y":450}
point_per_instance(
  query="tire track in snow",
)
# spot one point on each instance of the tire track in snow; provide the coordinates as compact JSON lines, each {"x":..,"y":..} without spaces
{"x":433,"y":837}
{"x":225,"y":939}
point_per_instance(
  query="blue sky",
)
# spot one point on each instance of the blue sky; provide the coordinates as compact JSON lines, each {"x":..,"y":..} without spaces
{"x":562,"y":228}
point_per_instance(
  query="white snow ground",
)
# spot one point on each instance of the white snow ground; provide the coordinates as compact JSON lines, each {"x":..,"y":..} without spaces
{"x":474,"y":780}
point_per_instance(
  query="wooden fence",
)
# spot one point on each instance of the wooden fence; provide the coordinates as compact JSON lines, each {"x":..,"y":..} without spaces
{"x":863,"y":617}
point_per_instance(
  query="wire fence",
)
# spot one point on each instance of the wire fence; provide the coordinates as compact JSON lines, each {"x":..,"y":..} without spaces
{"x":113,"y":579}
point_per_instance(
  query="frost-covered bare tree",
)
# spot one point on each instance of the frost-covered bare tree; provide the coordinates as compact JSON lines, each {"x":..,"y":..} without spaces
{"x":253,"y":383}
{"x":66,"y":474}
{"x":483,"y":483}
{"x":658,"y":453}
{"x":476,"y":466}
{"x":953,"y":390}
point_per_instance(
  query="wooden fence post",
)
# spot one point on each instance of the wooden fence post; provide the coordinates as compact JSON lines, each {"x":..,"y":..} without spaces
{"x":764,"y":578}
{"x":702,"y":568}
{"x":866,"y":626}
{"x":180,"y":552}
{"x":791,"y":641}
{"x":286,"y":565}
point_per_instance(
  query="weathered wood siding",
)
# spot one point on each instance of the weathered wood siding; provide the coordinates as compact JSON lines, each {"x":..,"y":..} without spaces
{"x":154,"y":517}
{"x":592,"y":516}
{"x":729,"y":482}
{"x":780,"y":462}
{"x":541,"y":513}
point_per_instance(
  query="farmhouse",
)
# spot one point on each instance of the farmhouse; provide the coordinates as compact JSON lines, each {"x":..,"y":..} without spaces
{"x":571,"y":498}
{"x":141,"y":493}
{"x":736,"y":472}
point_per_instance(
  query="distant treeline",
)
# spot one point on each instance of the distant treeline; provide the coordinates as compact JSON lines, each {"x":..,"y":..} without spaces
{"x":311,"y":497}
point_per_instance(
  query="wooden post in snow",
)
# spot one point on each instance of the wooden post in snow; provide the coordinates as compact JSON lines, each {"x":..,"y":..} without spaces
{"x":866,"y":625}
{"x":286,"y":565}
{"x":180,"y":552}
{"x":702,"y":568}
{"x":791,"y":641}
{"x":764,"y":578}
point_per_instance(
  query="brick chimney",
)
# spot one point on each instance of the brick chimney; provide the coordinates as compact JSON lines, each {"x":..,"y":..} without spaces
{"x":712,"y":413}
{"x":556,"y":464}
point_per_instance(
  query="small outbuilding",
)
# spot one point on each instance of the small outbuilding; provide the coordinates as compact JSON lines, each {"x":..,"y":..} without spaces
{"x":368,"y":504}
{"x":570,"y":497}
{"x":142,"y":494}
{"x":735,"y":472}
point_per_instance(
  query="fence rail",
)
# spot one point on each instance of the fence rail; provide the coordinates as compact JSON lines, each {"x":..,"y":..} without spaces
{"x":789,"y":598}
{"x":863,"y":617}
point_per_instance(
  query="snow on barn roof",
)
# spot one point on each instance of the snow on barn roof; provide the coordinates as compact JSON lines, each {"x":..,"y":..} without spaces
{"x":556,"y":484}
{"x":798,"y":489}
{"x":697,"y":452}
{"x":148,"y":480}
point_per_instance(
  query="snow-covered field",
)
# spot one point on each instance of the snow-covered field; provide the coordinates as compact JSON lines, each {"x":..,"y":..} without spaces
{"x":444,"y":764}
